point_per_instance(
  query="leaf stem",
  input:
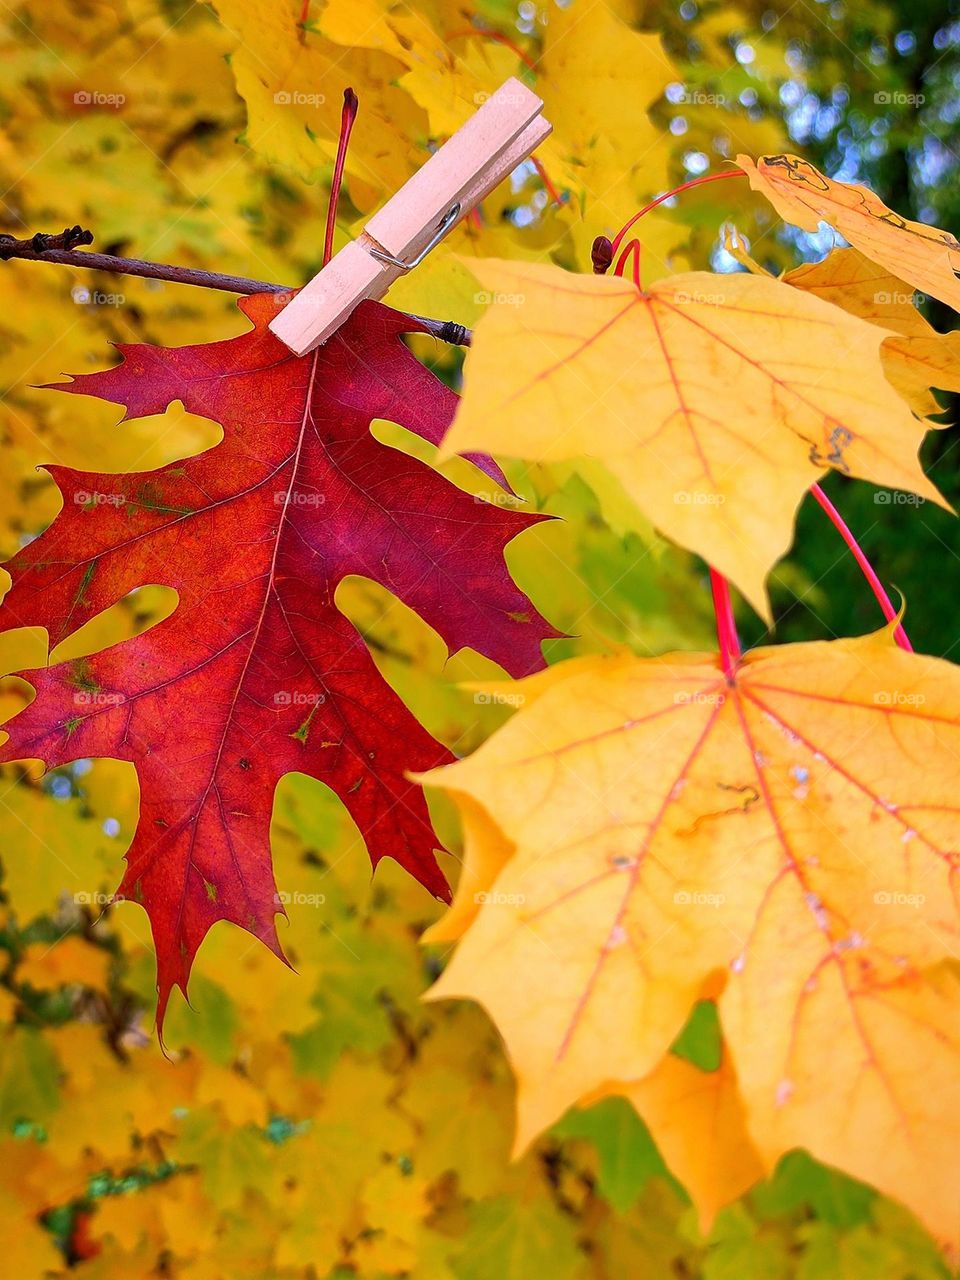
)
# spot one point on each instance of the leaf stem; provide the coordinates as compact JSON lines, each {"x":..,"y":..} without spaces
{"x":727,"y":636}
{"x":667,"y":195}
{"x":889,"y":612}
{"x":547,"y":181}
{"x":466,"y":33}
{"x":632,"y":247}
{"x":348,"y":115}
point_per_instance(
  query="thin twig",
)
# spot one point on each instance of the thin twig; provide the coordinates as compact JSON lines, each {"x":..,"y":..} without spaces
{"x":58,"y":248}
{"x":136,"y":267}
{"x":69,"y":238}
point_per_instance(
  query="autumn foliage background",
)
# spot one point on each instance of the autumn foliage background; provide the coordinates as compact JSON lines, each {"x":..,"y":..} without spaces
{"x":321,"y":1121}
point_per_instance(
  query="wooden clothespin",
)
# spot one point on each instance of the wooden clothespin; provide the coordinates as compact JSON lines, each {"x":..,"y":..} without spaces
{"x":496,"y":138}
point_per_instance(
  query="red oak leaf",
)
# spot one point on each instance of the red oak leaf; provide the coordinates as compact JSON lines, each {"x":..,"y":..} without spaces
{"x":256,"y":673}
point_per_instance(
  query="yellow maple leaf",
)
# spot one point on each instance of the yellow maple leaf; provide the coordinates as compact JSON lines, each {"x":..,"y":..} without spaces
{"x":716,"y":400}
{"x":598,"y":79}
{"x":461,"y":1097}
{"x":28,"y":1249}
{"x":698,"y":1121}
{"x":485,"y":853}
{"x":606,"y":195}
{"x":926,"y":256}
{"x":793,"y":831}
{"x":292,"y":81}
{"x":452,"y":66}
{"x":450,"y":80}
{"x":109,"y":1101}
{"x":70,"y":961}
{"x":915,"y":357}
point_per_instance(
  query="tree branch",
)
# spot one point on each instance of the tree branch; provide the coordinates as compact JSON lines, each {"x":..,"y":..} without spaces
{"x":60,"y":248}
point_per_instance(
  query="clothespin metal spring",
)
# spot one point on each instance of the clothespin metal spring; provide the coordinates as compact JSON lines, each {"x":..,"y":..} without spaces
{"x":448,"y":220}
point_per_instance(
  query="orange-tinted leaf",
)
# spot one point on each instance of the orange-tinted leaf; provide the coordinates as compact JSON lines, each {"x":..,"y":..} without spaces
{"x":72,"y":960}
{"x":484,"y":854}
{"x":915,"y":357}
{"x":797,"y":831}
{"x":926,"y":256}
{"x":698,"y":1121}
